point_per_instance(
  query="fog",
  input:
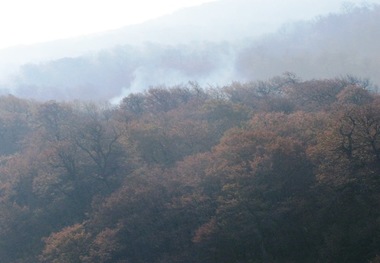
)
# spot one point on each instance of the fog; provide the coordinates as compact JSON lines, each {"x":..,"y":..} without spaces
{"x":213,"y":44}
{"x":233,"y":131}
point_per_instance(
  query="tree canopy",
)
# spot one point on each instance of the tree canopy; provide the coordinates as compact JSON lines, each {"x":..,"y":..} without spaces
{"x":282,"y":170}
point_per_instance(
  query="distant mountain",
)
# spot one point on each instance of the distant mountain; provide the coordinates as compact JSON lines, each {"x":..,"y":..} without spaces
{"x":113,"y":73}
{"x":213,"y":44}
{"x":332,"y":45}
{"x":223,"y":20}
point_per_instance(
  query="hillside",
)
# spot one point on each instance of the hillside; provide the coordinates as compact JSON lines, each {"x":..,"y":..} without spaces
{"x":335,"y":44}
{"x":276,"y":171}
{"x":210,"y":135}
{"x":222,"y":20}
{"x":332,"y":45}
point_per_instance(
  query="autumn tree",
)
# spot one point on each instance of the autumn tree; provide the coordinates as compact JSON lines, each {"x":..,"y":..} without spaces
{"x":68,"y":245}
{"x":259,"y":174}
{"x":15,"y":123}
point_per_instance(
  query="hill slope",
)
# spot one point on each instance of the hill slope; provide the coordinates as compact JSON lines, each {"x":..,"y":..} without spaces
{"x":332,"y":45}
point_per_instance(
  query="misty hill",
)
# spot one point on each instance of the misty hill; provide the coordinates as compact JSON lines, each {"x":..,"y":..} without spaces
{"x":335,"y":44}
{"x":332,"y":45}
{"x":119,"y":71}
{"x":222,"y":20}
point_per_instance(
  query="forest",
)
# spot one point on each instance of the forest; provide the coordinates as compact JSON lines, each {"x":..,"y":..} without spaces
{"x":278,"y":170}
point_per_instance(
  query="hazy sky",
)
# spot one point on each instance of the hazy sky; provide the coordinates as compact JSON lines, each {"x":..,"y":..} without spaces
{"x":32,"y":21}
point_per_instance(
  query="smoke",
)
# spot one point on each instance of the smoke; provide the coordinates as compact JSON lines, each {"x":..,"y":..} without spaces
{"x":329,"y":46}
{"x":206,"y":64}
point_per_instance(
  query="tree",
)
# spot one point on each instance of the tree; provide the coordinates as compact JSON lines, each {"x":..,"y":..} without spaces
{"x":68,"y":245}
{"x":259,"y":174}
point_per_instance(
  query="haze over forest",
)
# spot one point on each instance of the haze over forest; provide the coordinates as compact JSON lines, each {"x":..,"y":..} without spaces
{"x":230,"y":138}
{"x":213,"y":44}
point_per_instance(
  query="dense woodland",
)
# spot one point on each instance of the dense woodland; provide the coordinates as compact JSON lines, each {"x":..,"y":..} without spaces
{"x":282,"y":170}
